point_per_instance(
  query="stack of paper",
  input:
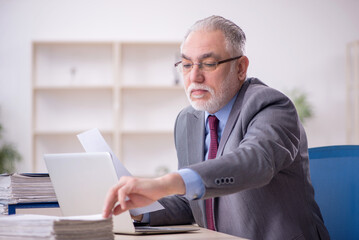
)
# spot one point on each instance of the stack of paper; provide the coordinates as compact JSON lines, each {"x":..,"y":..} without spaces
{"x":25,"y":188}
{"x":21,"y":227}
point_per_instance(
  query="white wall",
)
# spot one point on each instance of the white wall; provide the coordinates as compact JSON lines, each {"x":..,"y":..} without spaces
{"x":289,"y":43}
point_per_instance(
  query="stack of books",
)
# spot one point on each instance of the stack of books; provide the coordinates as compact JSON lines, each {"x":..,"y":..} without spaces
{"x":26,"y":227}
{"x":25,"y":188}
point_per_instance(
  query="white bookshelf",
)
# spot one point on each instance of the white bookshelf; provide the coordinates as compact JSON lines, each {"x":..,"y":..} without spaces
{"x":128,"y":90}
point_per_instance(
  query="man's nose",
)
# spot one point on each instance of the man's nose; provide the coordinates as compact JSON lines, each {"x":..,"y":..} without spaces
{"x":196,"y":74}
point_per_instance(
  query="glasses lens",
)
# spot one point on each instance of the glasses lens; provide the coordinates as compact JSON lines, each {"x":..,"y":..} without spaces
{"x":186,"y":66}
{"x":209,"y":66}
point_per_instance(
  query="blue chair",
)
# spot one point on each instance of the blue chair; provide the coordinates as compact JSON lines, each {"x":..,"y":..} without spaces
{"x":334,"y":173}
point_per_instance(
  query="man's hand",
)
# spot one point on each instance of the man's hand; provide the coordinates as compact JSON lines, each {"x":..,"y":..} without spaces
{"x":131,"y":192}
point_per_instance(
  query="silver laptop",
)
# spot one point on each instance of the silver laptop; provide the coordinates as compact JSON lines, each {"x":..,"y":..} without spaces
{"x":81,"y":182}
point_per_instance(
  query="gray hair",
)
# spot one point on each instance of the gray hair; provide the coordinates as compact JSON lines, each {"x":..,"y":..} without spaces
{"x":234,"y":35}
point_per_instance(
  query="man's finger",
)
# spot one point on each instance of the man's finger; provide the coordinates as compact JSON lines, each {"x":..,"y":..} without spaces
{"x":110,"y":201}
{"x":122,"y":196}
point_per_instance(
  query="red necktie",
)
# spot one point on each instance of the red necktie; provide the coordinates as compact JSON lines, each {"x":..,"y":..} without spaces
{"x":212,"y":153}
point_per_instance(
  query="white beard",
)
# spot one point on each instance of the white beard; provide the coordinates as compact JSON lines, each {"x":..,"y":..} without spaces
{"x":216,"y":100}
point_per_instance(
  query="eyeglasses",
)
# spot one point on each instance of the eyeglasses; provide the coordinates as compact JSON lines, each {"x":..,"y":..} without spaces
{"x":207,"y":65}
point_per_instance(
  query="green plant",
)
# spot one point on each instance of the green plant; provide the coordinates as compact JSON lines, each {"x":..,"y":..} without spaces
{"x":303,"y":106}
{"x":8,"y":155}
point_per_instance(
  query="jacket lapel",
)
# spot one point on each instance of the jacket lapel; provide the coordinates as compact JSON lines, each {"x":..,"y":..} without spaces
{"x":232,"y":119}
{"x":195,"y":136}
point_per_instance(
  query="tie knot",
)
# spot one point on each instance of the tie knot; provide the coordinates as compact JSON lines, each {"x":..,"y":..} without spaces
{"x":213,"y":122}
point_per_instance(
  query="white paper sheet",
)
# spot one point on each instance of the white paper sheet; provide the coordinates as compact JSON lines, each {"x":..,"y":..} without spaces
{"x":93,"y":141}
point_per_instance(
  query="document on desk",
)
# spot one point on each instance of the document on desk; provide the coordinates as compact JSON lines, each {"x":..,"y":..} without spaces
{"x":93,"y":141}
{"x":51,"y":227}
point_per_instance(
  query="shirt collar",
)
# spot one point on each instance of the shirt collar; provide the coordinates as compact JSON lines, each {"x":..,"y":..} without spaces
{"x":222,"y":116}
{"x":224,"y":112}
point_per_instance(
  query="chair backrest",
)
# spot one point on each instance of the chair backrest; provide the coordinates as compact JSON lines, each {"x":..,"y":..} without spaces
{"x":334,"y":173}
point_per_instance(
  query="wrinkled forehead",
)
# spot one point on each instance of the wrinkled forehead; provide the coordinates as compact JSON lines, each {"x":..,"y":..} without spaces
{"x":204,"y":44}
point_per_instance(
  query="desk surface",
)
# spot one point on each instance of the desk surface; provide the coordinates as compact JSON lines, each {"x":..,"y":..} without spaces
{"x":202,"y":234}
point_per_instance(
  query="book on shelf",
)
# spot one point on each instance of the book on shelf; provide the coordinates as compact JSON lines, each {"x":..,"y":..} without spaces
{"x":53,"y":227}
{"x":21,"y":188}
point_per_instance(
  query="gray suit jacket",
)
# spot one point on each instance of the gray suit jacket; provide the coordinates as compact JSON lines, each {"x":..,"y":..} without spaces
{"x":260,"y":178}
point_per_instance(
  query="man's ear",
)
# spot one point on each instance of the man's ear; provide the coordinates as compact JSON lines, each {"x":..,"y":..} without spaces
{"x":243,"y":64}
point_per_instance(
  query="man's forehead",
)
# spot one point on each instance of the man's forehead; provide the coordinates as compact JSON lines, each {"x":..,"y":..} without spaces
{"x":204,"y":44}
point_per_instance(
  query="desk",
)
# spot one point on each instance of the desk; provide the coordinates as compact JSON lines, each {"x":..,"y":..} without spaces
{"x":202,"y":234}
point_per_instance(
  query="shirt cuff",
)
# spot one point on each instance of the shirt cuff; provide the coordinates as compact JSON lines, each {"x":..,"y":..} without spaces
{"x":194,"y":185}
